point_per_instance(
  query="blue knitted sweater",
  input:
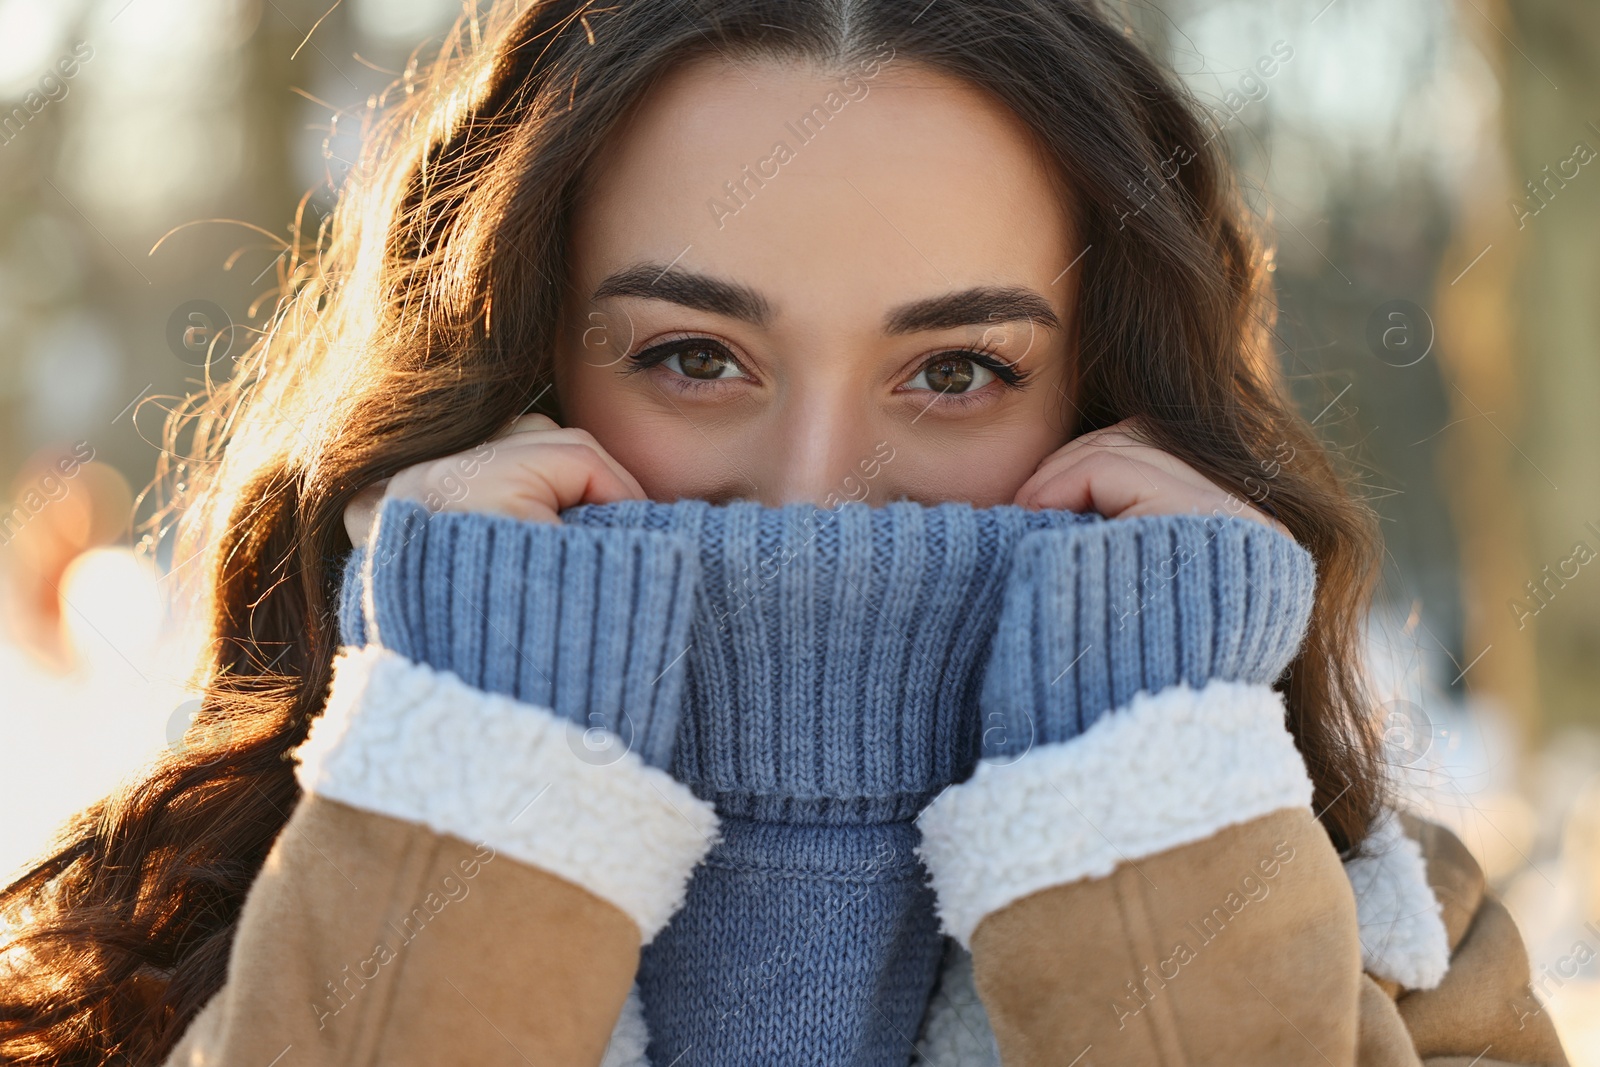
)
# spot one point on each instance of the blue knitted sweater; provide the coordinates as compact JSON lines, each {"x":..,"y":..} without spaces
{"x":820,"y":676}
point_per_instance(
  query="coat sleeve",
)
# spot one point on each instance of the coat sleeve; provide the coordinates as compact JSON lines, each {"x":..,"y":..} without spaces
{"x":1155,"y":891}
{"x":1131,"y":858}
{"x":1144,"y":880}
{"x":469,"y":876}
{"x":1482,"y":1008}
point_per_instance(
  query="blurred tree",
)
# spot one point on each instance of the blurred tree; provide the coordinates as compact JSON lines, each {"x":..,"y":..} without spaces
{"x":1478,"y":459}
{"x":1518,"y":326}
{"x":1553,"y":131}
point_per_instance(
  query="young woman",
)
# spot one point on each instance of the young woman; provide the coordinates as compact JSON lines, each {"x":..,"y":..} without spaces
{"x":836,"y":580}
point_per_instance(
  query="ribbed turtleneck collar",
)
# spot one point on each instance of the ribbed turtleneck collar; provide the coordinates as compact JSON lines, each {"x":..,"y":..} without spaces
{"x":835,"y":655}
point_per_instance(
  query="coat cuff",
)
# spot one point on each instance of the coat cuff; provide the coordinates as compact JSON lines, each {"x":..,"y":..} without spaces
{"x":1163,"y":771}
{"x":405,"y":740}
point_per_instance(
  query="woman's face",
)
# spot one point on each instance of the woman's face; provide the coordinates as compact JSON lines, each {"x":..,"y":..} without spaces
{"x":853,"y":286}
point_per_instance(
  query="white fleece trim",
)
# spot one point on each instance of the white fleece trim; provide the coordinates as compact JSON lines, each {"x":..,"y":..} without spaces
{"x":405,"y":740}
{"x":1163,"y":771}
{"x":630,"y":1038}
{"x":1403,"y":937}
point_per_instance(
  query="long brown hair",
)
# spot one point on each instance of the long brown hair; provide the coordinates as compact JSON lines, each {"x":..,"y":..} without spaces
{"x":420,"y":317}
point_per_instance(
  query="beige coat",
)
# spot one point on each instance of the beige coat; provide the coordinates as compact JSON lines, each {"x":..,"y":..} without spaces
{"x":1194,"y":912}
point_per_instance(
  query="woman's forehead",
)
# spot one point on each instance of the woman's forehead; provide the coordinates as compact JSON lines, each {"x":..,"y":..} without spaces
{"x":860,"y":184}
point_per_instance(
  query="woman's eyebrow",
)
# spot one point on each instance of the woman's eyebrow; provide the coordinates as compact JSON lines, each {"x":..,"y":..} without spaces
{"x":977,"y":306}
{"x":971,"y":307}
{"x":655,"y":281}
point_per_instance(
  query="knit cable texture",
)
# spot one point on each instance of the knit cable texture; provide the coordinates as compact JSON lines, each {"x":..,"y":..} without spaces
{"x":591,"y":624}
{"x":835,"y":654}
{"x":1097,"y":613}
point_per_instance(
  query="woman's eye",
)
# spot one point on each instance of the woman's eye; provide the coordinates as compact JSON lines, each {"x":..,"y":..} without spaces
{"x":703,"y":361}
{"x":953,"y":374}
{"x":697,"y":358}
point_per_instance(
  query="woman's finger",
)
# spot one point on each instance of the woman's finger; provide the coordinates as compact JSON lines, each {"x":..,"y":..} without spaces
{"x":1111,"y":483}
{"x":1115,"y":485}
{"x":525,"y":422}
{"x":537,"y":481}
{"x":1114,"y":440}
{"x":564,"y":472}
{"x":544,"y":428}
{"x":359,"y":512}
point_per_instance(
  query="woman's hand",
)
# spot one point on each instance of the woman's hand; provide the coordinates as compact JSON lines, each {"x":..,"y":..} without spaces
{"x":1115,"y":473}
{"x":531,"y":470}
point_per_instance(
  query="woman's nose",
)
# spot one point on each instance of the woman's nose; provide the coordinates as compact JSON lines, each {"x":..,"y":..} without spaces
{"x":823,"y":451}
